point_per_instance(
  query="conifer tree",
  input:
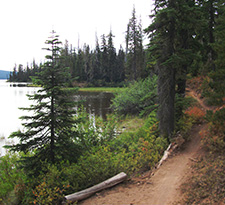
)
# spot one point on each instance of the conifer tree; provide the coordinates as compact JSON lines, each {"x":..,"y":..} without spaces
{"x":67,"y":58}
{"x":171,"y":37}
{"x":163,"y":36}
{"x":47,"y":132}
{"x":80,"y":66}
{"x":97,"y":61}
{"x":134,"y":46}
{"x":87,"y":63}
{"x":104,"y":60}
{"x":217,"y":83}
{"x":120,"y":75}
{"x":209,"y":10}
{"x":111,"y":58}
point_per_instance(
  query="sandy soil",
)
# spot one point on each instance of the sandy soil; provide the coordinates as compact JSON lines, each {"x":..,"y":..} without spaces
{"x":161,"y":188}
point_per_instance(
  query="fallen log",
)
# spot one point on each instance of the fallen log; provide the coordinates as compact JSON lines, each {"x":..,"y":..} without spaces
{"x":89,"y":191}
{"x":165,"y":156}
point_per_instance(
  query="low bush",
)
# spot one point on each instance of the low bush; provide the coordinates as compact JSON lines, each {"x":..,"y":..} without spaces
{"x":191,"y":114}
{"x":129,"y":152}
{"x":214,"y":137}
{"x":12,"y":179}
{"x":138,"y":98}
{"x":94,"y":131}
{"x":196,"y":114}
{"x":51,"y":188}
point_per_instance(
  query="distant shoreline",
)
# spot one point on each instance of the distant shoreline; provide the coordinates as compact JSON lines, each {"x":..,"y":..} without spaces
{"x":4,"y":75}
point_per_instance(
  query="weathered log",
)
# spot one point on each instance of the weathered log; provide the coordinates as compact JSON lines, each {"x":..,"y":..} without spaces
{"x":89,"y":191}
{"x":165,"y":156}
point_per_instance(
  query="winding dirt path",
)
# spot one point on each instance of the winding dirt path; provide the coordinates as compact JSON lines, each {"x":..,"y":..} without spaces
{"x":197,"y":97}
{"x":163,"y":187}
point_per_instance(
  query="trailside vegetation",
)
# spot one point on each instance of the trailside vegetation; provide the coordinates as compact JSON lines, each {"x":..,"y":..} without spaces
{"x":109,"y":147}
{"x":206,"y":184}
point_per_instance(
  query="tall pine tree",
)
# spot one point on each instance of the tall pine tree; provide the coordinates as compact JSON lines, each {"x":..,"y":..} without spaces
{"x":171,"y":39}
{"x":134,"y":49}
{"x":47,"y":132}
{"x":111,"y":58}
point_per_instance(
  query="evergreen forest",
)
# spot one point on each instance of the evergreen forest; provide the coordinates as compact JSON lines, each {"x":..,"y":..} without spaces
{"x":62,"y":150}
{"x":102,"y":66}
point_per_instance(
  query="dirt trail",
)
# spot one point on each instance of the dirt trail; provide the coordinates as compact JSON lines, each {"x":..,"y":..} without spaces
{"x":197,"y":97}
{"x":163,"y":187}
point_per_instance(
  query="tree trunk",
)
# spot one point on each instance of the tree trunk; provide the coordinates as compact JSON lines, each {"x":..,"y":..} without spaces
{"x":166,"y":81}
{"x":166,"y":92}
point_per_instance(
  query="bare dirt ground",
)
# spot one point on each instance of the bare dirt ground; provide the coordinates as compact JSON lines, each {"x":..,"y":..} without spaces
{"x":160,"y":188}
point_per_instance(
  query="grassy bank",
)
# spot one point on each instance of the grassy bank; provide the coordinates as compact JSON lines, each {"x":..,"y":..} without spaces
{"x":101,"y":89}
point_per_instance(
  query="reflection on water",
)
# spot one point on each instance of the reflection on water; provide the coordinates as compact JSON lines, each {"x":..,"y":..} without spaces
{"x":13,"y":97}
{"x":97,"y":103}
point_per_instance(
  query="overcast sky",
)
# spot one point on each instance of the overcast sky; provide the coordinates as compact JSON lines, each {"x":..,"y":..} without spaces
{"x":26,"y":24}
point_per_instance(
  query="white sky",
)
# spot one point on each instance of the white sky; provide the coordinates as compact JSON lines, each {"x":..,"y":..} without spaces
{"x":26,"y":24}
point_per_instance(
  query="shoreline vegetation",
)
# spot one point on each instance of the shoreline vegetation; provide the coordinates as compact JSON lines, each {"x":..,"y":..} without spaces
{"x":89,"y":89}
{"x":98,"y":89}
{"x":82,"y":89}
{"x":126,"y":143}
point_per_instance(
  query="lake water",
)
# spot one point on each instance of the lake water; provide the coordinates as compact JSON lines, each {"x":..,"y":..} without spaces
{"x":14,"y":96}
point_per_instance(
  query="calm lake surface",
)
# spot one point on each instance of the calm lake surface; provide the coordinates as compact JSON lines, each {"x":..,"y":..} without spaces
{"x":14,"y":96}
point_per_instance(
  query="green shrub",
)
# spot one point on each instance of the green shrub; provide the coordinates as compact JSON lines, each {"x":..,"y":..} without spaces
{"x":47,"y":195}
{"x":214,"y":87}
{"x":51,"y":186}
{"x":191,"y":114}
{"x":12,"y":179}
{"x":138,"y":98}
{"x":214,"y":137}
